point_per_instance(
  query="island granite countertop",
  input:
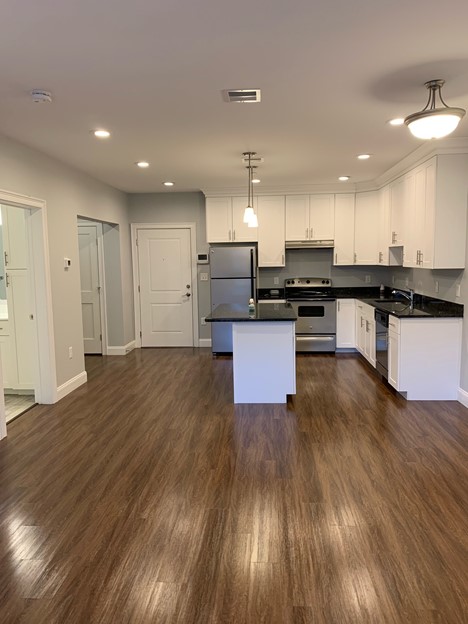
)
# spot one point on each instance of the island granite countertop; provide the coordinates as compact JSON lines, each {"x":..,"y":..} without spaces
{"x":236,"y":312}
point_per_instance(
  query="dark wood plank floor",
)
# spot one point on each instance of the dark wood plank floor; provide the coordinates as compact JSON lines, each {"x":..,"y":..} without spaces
{"x":147,"y":497}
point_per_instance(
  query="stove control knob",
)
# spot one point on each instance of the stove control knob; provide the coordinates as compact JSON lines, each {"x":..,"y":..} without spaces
{"x":307,"y":281}
{"x":323,"y":281}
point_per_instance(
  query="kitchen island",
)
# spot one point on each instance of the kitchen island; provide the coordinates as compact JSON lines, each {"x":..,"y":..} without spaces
{"x":263,"y":343}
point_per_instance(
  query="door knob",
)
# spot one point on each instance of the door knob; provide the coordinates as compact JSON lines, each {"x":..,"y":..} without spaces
{"x":187,"y":286}
{"x":188,"y":294}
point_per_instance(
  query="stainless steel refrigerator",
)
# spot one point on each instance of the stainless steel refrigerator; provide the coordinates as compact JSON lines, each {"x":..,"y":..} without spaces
{"x":233,"y":280}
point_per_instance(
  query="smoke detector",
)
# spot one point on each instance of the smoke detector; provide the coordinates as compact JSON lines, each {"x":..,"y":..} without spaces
{"x":39,"y":96}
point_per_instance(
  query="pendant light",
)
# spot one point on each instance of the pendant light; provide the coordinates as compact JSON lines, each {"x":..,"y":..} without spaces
{"x":249,"y":214}
{"x":434,"y":122}
{"x":253,"y":221}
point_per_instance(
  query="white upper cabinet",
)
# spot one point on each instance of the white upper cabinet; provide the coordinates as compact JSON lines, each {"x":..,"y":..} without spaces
{"x":271,"y":231}
{"x":310,"y":217}
{"x":322,"y":217}
{"x":384,"y":226}
{"x":344,"y":229}
{"x":366,"y":228}
{"x":224,"y":221}
{"x":397,"y":211}
{"x":297,"y":217}
{"x":437,"y":221}
{"x":14,"y":238}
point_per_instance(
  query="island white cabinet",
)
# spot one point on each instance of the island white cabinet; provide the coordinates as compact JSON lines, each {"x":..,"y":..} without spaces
{"x":310,"y":217}
{"x":224,"y":220}
{"x":344,"y":229}
{"x":366,"y":228}
{"x":271,"y":231}
{"x":424,"y":357}
{"x":345,"y":324}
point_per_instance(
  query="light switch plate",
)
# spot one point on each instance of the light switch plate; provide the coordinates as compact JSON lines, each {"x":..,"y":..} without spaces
{"x":437,"y":286}
{"x":276,"y":281}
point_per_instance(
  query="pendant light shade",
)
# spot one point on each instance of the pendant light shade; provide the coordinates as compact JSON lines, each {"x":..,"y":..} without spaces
{"x":248,"y":214}
{"x":253,"y":223}
{"x":437,"y":119}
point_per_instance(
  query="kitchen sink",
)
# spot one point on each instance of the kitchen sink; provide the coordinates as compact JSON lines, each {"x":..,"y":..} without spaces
{"x":392,"y":305}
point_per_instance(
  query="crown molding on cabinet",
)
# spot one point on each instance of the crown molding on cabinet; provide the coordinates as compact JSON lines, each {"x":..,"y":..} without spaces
{"x":454,"y":145}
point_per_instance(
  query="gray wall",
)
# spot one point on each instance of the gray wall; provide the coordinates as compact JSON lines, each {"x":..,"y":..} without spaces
{"x":69,"y":193}
{"x":319,"y":263}
{"x":177,"y":208}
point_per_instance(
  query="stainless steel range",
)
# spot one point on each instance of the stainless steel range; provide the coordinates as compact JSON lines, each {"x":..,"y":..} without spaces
{"x":315,"y":307}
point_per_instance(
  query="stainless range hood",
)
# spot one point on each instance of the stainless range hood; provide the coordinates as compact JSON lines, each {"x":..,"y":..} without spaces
{"x":307,"y":244}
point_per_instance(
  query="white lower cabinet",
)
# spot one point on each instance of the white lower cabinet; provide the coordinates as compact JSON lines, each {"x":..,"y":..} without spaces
{"x":345,"y":324}
{"x":424,"y":357}
{"x":365,"y":331}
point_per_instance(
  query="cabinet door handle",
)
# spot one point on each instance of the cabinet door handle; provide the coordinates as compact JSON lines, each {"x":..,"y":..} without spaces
{"x":355,"y":257}
{"x":421,"y":257}
{"x":336,"y":258}
{"x":338,"y":306}
{"x":5,"y":255}
{"x":233,"y":234}
{"x":307,"y":233}
{"x":394,"y":237}
{"x":311,"y":234}
{"x":367,"y":326}
{"x":7,"y":279}
{"x":282,"y":258}
{"x":361,"y":321}
{"x":380,"y":257}
{"x":229,"y":234}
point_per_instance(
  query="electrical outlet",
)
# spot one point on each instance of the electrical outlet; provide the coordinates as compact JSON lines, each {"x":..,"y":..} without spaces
{"x":458,"y":291}
{"x":437,"y":286}
{"x":70,"y":352}
{"x":276,"y":281}
{"x":368,"y":279}
{"x":203,"y":277}
{"x":203,"y":320}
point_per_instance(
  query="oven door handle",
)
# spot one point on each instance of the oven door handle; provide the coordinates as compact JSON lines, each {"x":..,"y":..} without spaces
{"x":311,"y":300}
{"x":317,"y":338}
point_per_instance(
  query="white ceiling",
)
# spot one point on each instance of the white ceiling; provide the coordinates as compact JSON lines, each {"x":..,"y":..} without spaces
{"x":332,"y":72}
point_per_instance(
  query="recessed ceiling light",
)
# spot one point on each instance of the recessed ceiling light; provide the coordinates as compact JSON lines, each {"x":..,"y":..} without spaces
{"x":343,"y":178}
{"x":142,"y":164}
{"x":364,"y":156}
{"x":101,"y":134}
{"x":399,"y":121}
{"x":168,"y":183}
{"x":256,"y":181}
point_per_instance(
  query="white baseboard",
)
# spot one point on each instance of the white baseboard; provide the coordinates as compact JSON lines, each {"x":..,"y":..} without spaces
{"x":463,"y":397}
{"x":121,"y":350}
{"x":204,"y":342}
{"x":71,"y":384}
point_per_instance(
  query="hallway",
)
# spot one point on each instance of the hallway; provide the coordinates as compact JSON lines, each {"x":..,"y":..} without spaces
{"x":147,"y":497}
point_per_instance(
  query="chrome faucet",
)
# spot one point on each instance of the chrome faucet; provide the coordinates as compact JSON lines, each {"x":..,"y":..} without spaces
{"x":409,"y":296}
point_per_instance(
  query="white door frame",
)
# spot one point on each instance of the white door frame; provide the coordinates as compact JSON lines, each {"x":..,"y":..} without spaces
{"x":45,"y":387}
{"x":136,"y":277}
{"x":102,"y":278}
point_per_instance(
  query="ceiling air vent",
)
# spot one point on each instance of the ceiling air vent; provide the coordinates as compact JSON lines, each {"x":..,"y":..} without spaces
{"x":241,"y":95}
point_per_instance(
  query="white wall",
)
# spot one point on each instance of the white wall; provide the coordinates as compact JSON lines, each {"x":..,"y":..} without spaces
{"x":69,"y":193}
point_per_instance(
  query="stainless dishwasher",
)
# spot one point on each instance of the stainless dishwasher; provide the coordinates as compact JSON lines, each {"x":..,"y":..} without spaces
{"x":381,"y":342}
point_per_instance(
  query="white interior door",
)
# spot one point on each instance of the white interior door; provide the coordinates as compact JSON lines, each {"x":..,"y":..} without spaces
{"x":90,"y":288}
{"x":164,"y":263}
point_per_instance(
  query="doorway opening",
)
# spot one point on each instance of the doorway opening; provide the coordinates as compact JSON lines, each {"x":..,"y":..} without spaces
{"x":27,"y":352}
{"x":93,"y":291}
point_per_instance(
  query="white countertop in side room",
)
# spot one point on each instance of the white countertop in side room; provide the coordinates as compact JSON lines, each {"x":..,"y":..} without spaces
{"x":3,"y":310}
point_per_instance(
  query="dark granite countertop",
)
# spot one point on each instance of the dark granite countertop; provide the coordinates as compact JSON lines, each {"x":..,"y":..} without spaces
{"x":424,"y":307}
{"x":236,"y":312}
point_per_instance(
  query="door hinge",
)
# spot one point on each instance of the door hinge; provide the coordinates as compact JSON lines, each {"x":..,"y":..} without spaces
{"x":100,"y":336}
{"x":140,"y":334}
{"x":138,"y":287}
